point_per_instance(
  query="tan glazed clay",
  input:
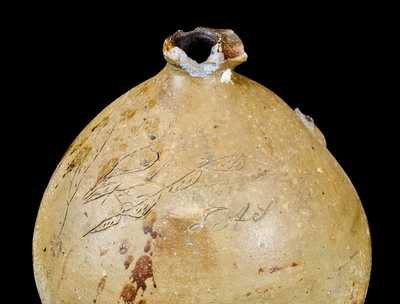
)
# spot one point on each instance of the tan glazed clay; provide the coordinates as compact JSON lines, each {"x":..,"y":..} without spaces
{"x":201,"y":186}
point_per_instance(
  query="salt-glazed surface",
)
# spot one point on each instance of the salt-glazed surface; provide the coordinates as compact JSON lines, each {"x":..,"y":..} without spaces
{"x":201,"y":186}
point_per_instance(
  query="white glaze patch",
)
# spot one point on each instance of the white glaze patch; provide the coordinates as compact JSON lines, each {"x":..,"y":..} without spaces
{"x":226,"y":76}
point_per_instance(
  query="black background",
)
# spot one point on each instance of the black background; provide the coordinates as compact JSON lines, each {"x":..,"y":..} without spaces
{"x":328,"y":61}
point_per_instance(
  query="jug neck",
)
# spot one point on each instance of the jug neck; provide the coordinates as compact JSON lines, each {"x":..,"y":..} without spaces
{"x":204,"y":51}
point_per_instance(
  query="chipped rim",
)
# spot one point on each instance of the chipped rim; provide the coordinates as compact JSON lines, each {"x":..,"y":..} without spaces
{"x":227,"y":51}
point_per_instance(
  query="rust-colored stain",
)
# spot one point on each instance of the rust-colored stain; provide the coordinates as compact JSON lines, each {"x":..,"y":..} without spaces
{"x":102,"y":284}
{"x":100,"y":287}
{"x":148,"y":225}
{"x":128,"y":114}
{"x":106,"y":169}
{"x":128,"y":293}
{"x":78,"y":159}
{"x":151,"y":103}
{"x":230,"y":48}
{"x":75,"y":146}
{"x":147,"y":247}
{"x":128,"y":261}
{"x":101,"y":124}
{"x":195,"y":250}
{"x":143,"y":88}
{"x":143,"y":271}
{"x":168,"y":44}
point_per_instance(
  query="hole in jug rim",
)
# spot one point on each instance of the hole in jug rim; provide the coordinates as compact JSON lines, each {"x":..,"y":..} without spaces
{"x":196,"y":45}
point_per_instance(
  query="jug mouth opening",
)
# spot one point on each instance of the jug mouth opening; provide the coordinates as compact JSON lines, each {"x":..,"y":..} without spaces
{"x":197,"y":45}
{"x":203,"y":51}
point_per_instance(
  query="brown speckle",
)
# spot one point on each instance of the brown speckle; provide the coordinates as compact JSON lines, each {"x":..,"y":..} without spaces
{"x":145,"y":163}
{"x":152,"y":137}
{"x":143,"y":270}
{"x":148,"y":225}
{"x":64,"y":268}
{"x":147,"y":247}
{"x":248,"y":294}
{"x":278,"y":268}
{"x":142,"y":301}
{"x":262,"y":290}
{"x":123,"y":247}
{"x":56,"y":246}
{"x":128,"y":294}
{"x":274,"y":269}
{"x":102,"y":284}
{"x":128,"y":261}
{"x":103,"y":252}
{"x":260,"y":270}
{"x":44,"y":249}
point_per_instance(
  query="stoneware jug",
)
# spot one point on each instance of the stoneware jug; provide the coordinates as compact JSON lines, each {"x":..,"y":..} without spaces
{"x":201,"y":186}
